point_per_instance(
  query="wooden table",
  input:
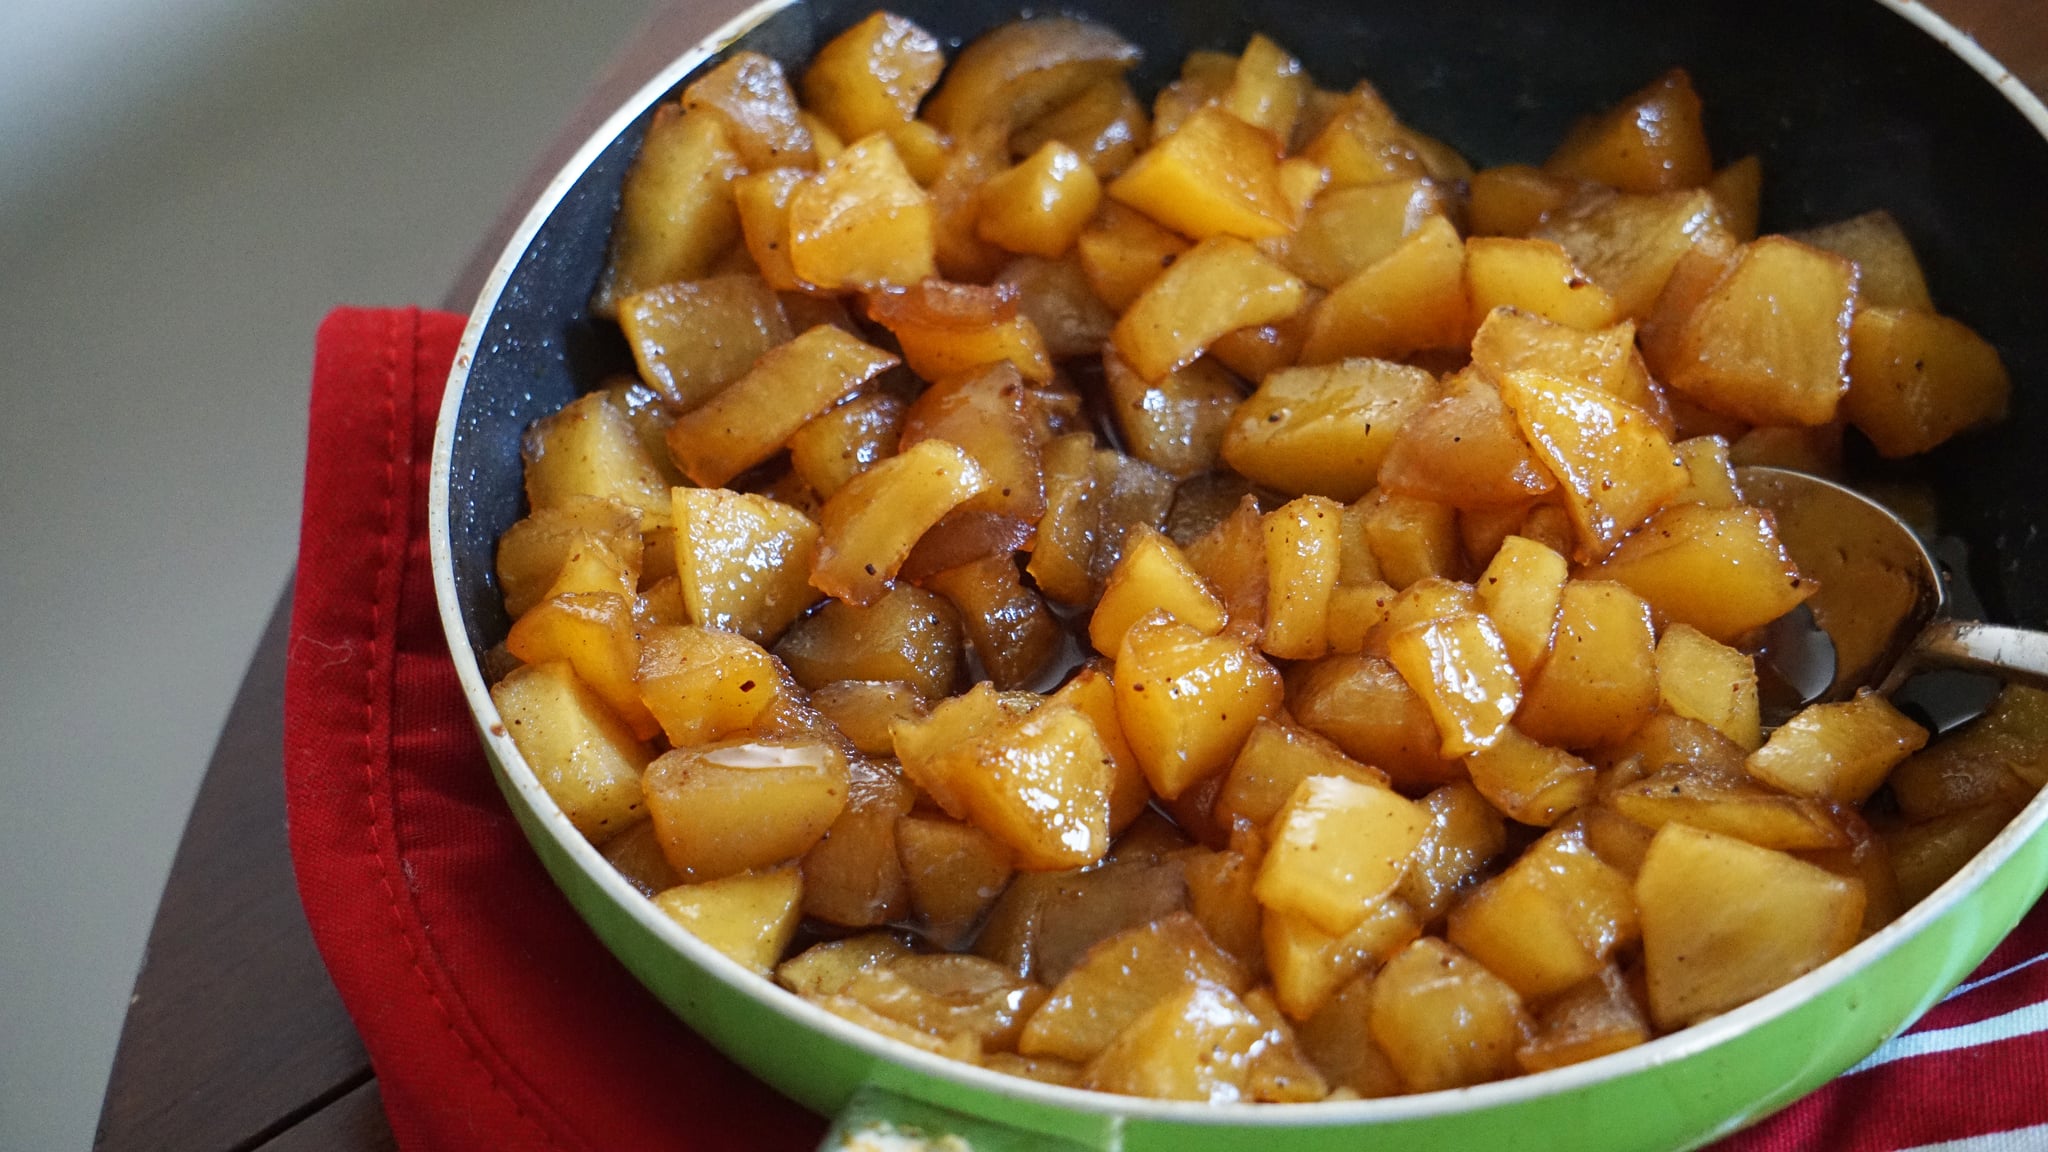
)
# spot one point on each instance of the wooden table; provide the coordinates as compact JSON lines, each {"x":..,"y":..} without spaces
{"x":235,"y":1040}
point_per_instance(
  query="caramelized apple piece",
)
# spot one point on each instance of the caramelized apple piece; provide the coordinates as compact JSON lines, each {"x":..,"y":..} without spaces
{"x":1364,"y":706}
{"x":1068,"y":531}
{"x":1037,"y":783}
{"x":1459,"y":666}
{"x":1122,"y":252}
{"x":1513,"y":200}
{"x":1324,"y":430}
{"x":1725,"y":922}
{"x":1039,"y":205}
{"x":1916,"y":379}
{"x":1615,"y":467}
{"x":1215,"y":175}
{"x":863,"y":223}
{"x":693,"y":337}
{"x":598,"y":635}
{"x":1520,"y":590}
{"x":871,"y":77}
{"x":1601,"y":679}
{"x":534,"y":551}
{"x":1024,"y":69}
{"x":1701,"y":679}
{"x":587,"y":760}
{"x":948,"y":330}
{"x":1046,"y":921}
{"x":1338,"y":1037}
{"x":909,"y":635}
{"x":1220,"y":285}
{"x":1176,"y":423}
{"x":1605,"y":358}
{"x":1464,"y":835}
{"x":1889,"y":274}
{"x":1464,"y":449}
{"x":1105,"y":125}
{"x":1770,"y":341}
{"x":1553,"y":919}
{"x":1596,"y":1017}
{"x":754,"y":416}
{"x":954,"y":873}
{"x":1197,"y":1044}
{"x":676,"y":209}
{"x":949,"y":996}
{"x":1533,"y":783}
{"x":740,"y":804}
{"x":1347,"y":230}
{"x":1712,"y":474}
{"x":741,"y":561}
{"x":846,"y":441}
{"x":1838,"y":752}
{"x":750,"y":917}
{"x":1055,"y":297}
{"x":1338,"y":846}
{"x":589,"y":450}
{"x":1443,"y":1020}
{"x":1722,"y":571}
{"x":1533,"y":276}
{"x":852,"y":876}
{"x":703,"y":684}
{"x":826,"y":969}
{"x":1650,"y":142}
{"x":1152,"y":575}
{"x":1628,"y":244}
{"x":1412,"y":539}
{"x":1118,"y":980}
{"x":1410,"y":300}
{"x":1187,"y":701}
{"x":870,"y":525}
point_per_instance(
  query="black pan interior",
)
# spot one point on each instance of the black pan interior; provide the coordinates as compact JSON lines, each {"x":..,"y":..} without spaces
{"x":1850,"y":107}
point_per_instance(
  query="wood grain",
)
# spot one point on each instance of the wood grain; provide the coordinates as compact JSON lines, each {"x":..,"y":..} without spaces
{"x":234,"y":1032}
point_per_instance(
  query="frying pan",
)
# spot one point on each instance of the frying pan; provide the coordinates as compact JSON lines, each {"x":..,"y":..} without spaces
{"x":1852,"y":104}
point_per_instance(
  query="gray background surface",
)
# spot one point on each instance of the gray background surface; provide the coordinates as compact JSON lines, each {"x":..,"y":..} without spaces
{"x":185,"y":189}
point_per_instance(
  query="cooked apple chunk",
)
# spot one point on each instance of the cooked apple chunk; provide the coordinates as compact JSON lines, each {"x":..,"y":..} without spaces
{"x":1338,"y":846}
{"x":1410,"y":300}
{"x":755,"y":415}
{"x":1534,"y":276}
{"x":1629,"y":244}
{"x":751,"y":917}
{"x":1187,"y":701}
{"x":826,"y":969}
{"x":1177,"y":422}
{"x":694,"y":337}
{"x":590,"y":450}
{"x":954,"y":872}
{"x":703,"y":684}
{"x":675,"y":209}
{"x":1650,"y":142}
{"x":870,"y":525}
{"x":1118,"y":980}
{"x":1614,"y":466}
{"x":871,"y":77}
{"x":1364,"y":706}
{"x":1531,"y":782}
{"x":1601,"y":679}
{"x":1037,"y":782}
{"x":1701,"y":679}
{"x":1221,"y":285}
{"x":1465,"y":833}
{"x":1308,"y":965}
{"x":742,"y":560}
{"x":586,"y":759}
{"x":1520,"y":590}
{"x":1916,"y":379}
{"x":1464,"y":449}
{"x":1838,"y":752}
{"x":740,"y":804}
{"x":597,"y":634}
{"x":750,"y":94}
{"x":909,"y":635}
{"x":1443,"y":1020}
{"x":1725,"y":922}
{"x":1770,"y":342}
{"x":1325,"y":430}
{"x":1459,"y":666}
{"x":1721,"y":570}
{"x":1215,"y":176}
{"x":1197,"y":1044}
{"x":1595,"y":1017}
{"x":863,"y":223}
{"x":852,"y":875}
{"x":948,"y":329}
{"x":1553,"y":919}
{"x":1153,"y":575}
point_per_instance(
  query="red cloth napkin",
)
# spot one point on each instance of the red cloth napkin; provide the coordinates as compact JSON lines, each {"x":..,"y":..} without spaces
{"x":495,"y":1020}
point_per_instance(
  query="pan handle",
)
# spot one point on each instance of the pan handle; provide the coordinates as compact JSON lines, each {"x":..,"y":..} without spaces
{"x":879,"y":1120}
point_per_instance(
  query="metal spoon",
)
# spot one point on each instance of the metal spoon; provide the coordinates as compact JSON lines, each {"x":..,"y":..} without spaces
{"x":1881,"y":598}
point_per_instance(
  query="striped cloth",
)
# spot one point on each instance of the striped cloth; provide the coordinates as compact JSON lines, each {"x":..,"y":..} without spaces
{"x":1970,"y":1076}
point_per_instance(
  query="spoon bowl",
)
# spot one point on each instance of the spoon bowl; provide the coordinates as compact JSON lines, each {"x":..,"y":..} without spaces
{"x":1882,"y":595}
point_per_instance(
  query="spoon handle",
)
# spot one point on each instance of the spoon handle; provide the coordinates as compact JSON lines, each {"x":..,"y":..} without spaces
{"x":2019,"y":655}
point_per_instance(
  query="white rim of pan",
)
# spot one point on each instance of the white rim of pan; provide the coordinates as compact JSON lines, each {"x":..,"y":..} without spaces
{"x":1677,"y":1047}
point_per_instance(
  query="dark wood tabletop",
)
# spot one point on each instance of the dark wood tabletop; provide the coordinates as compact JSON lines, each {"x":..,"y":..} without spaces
{"x":235,"y":1040}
